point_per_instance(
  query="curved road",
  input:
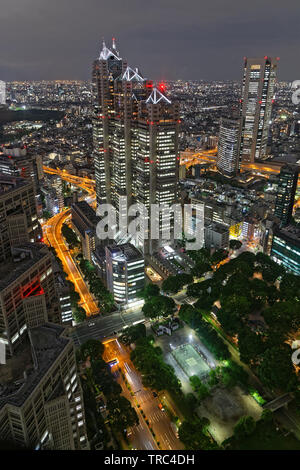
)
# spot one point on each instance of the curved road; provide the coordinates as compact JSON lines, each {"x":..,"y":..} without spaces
{"x":53,"y":237}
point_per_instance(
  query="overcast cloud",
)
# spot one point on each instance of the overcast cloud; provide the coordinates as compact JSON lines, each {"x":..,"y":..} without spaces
{"x":167,"y":39}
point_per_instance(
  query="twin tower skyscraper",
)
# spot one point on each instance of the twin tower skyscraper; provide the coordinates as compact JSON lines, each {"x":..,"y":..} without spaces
{"x":135,"y":136}
{"x":244,"y":139}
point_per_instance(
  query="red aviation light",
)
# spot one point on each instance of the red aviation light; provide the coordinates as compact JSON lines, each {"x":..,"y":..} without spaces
{"x":151,"y":161}
{"x":277,"y":58}
{"x":149,"y":84}
{"x":162,"y":87}
{"x":265,"y":57}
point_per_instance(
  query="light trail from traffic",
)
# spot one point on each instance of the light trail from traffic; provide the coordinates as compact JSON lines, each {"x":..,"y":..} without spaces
{"x":53,"y":237}
{"x":141,"y":437}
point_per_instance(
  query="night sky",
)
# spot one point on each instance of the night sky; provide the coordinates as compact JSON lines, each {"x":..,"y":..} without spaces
{"x":167,"y":39}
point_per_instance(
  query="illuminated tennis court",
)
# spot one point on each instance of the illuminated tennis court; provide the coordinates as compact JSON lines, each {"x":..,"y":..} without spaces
{"x":190,"y":360}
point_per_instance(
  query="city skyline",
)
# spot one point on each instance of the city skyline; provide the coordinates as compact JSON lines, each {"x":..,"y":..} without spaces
{"x":149,"y":229}
{"x":170,"y":35}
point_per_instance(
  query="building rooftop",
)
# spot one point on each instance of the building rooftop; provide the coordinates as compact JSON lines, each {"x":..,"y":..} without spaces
{"x":87,"y":212}
{"x":10,"y":183}
{"x":22,"y":373}
{"x":289,"y":233}
{"x":217,"y":227}
{"x":23,"y":258}
{"x":126,"y":252}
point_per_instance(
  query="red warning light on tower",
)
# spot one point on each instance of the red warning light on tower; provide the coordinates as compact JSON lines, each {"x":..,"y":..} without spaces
{"x":162,"y":87}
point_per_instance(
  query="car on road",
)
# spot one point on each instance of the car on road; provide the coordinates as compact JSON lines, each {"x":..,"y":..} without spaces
{"x":91,"y":323}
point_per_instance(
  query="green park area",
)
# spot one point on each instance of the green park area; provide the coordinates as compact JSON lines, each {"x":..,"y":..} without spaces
{"x":256,"y":320}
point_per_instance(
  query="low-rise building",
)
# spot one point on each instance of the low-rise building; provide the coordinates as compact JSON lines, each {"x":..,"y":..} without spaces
{"x":84,"y":222}
{"x":216,"y":236}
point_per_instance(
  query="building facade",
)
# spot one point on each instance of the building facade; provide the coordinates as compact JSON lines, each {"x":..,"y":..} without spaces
{"x":256,"y":107}
{"x":286,"y":248}
{"x":27,"y":289}
{"x":135,"y":141}
{"x":125,"y":273}
{"x":285,"y":196}
{"x":18,"y":214}
{"x":41,"y":401}
{"x":84,"y":222}
{"x":228,"y":153}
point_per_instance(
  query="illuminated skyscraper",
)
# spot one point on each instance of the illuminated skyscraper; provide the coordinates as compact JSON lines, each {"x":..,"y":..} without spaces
{"x":287,"y":186}
{"x":227,"y":161}
{"x":256,"y":106}
{"x":135,"y":138}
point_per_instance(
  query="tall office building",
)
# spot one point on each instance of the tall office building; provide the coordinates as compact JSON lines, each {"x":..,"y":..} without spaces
{"x":18,"y":214}
{"x":286,"y":191}
{"x":135,"y":138}
{"x":228,"y":154}
{"x":2,"y":93}
{"x":17,"y":161}
{"x":28,"y":296}
{"x":256,"y":106}
{"x":41,"y":401}
{"x":286,"y":248}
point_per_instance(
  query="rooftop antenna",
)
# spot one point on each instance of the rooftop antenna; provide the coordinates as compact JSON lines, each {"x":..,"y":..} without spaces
{"x":114,"y":43}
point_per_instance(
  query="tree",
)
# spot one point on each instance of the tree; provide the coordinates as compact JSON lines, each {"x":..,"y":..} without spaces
{"x":174,"y":284}
{"x":150,"y":290}
{"x":290,"y":286}
{"x":267,"y":416}
{"x":121,"y":414}
{"x":156,"y":374}
{"x":69,"y":235}
{"x":104,"y":379}
{"x":92,"y":348}
{"x":133,"y":333}
{"x":251,"y":345}
{"x":189,"y":315}
{"x":212,"y":340}
{"x":245,"y":427}
{"x":276,"y":370}
{"x":200,"y":269}
{"x":235,"y":244}
{"x":219,"y":256}
{"x":192,"y":434}
{"x":192,"y":402}
{"x":199,"y":387}
{"x":79,"y":314}
{"x":283,"y":317}
{"x":159,"y":306}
